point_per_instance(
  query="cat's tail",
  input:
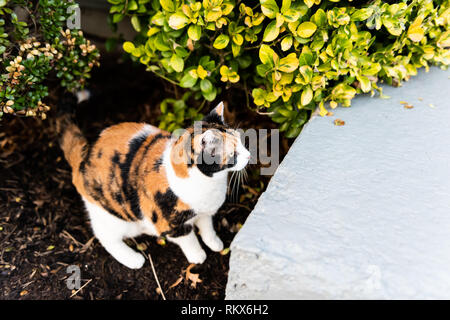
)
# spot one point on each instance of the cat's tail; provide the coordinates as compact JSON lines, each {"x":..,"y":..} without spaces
{"x":72,"y":142}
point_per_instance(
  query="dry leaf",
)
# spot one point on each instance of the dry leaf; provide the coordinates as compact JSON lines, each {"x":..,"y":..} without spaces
{"x":23,"y":293}
{"x":408,"y":106}
{"x":225,"y":251}
{"x":403,"y":102}
{"x":176,"y":282}
{"x":193,"y":277}
{"x":339,"y":122}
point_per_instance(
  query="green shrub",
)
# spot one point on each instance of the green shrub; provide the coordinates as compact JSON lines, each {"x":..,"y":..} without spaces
{"x":292,"y":56}
{"x":36,"y":49}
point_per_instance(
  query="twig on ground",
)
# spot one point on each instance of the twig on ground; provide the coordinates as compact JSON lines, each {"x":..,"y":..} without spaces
{"x":153,"y":269}
{"x":156,"y":277}
{"x":84,"y":285}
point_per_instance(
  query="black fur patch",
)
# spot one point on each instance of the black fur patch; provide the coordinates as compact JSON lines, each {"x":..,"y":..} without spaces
{"x":209,"y":169}
{"x":157,"y":164}
{"x":179,"y":231}
{"x":129,"y":185}
{"x":213,"y":117}
{"x":166,"y":202}
{"x":96,"y":192}
{"x":116,"y":158}
{"x":118,"y":197}
{"x":177,"y":220}
{"x":154,"y":217}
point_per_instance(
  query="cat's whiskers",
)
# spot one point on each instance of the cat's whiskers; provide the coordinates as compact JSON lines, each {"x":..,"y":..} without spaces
{"x":236,"y":180}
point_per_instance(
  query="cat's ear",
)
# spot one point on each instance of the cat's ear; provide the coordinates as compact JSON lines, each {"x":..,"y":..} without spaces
{"x":216,"y":114}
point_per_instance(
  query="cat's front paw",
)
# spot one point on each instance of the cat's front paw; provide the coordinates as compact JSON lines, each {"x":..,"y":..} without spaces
{"x":197,"y":256}
{"x":135,"y":261}
{"x":214,"y":243}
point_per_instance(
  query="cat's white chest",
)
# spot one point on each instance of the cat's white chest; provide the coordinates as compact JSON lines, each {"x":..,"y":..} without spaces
{"x":204,"y":197}
{"x":203,"y":194}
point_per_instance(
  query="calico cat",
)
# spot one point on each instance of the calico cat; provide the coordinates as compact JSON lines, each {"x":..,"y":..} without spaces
{"x":137,"y":179}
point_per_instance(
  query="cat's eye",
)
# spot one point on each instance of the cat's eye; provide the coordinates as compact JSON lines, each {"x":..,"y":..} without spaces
{"x":213,"y":152}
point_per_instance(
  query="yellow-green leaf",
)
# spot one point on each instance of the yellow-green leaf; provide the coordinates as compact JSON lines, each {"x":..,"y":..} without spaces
{"x":213,"y":14}
{"x":288,"y":63}
{"x":238,"y":39}
{"x":269,"y":8}
{"x":221,"y":41}
{"x":135,"y":23}
{"x":152,"y":31}
{"x":266,"y":54}
{"x":286,"y":43}
{"x":271,"y":32}
{"x":309,"y":3}
{"x":307,"y":96}
{"x":333,"y":104}
{"x":128,"y":46}
{"x":177,"y":63}
{"x":201,"y":72}
{"x":306,"y":29}
{"x":365,"y":83}
{"x":415,"y":33}
{"x":235,"y":49}
{"x":227,"y":8}
{"x":322,"y":111}
{"x":415,"y":30}
{"x":167,"y":5}
{"x":178,"y":20}
{"x":194,"y":32}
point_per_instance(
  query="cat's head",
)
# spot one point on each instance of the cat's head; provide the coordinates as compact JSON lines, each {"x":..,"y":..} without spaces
{"x":211,"y":146}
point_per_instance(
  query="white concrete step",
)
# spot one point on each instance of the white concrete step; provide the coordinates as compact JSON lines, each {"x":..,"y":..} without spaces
{"x":360,"y":211}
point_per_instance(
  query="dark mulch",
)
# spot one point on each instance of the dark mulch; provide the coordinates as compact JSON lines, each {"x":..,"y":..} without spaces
{"x":43,"y":225}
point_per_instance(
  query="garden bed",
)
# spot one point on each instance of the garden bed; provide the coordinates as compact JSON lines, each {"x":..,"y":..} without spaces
{"x":43,"y":224}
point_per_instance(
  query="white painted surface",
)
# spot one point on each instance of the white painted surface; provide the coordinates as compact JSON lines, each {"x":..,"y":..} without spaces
{"x":360,"y":211}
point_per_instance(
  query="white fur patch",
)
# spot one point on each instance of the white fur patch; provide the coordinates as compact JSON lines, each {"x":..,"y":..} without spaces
{"x":111,"y":231}
{"x":203,"y":194}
